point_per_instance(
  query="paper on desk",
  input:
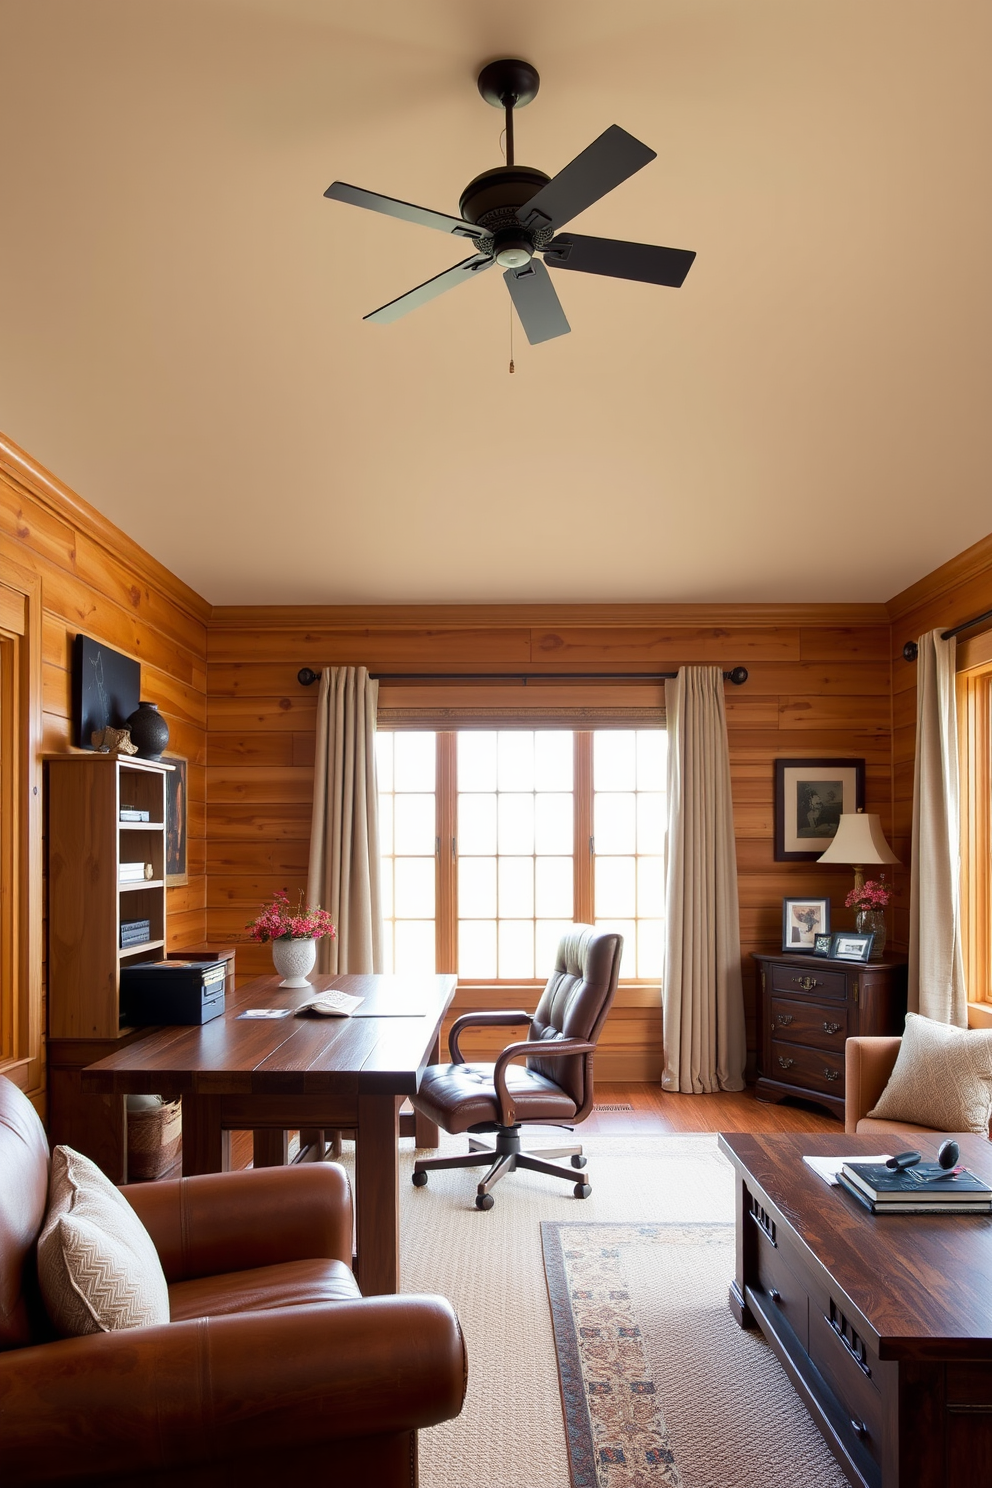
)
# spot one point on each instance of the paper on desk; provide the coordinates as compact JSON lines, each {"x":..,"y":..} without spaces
{"x":827,"y":1168}
{"x":332,"y":1004}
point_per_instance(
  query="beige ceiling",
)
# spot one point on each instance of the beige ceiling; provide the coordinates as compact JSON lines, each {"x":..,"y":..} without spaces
{"x":180,"y":309}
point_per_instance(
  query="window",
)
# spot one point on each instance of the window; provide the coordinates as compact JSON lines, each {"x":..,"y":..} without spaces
{"x":974,"y":695}
{"x":494,"y":841}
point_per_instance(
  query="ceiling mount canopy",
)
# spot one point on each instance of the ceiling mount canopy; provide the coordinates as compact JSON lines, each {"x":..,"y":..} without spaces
{"x":514,"y":212}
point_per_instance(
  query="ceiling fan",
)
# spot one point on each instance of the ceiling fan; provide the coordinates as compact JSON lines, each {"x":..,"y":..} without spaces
{"x":515,"y":212}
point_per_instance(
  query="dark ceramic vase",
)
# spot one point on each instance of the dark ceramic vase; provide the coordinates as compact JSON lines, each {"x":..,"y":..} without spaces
{"x":149,"y":731}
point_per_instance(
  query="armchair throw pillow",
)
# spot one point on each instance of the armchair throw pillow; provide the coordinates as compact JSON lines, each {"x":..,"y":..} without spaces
{"x":942,"y":1078}
{"x":97,"y":1266}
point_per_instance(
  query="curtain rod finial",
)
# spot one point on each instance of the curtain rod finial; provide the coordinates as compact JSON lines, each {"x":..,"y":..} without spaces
{"x":737,"y":676}
{"x":306,"y":677}
{"x":910,"y":651}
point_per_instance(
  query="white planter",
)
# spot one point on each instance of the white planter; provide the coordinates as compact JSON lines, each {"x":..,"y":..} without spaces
{"x":294,"y":960}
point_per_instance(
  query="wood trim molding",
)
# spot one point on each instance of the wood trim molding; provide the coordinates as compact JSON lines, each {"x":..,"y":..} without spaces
{"x":970,"y":564}
{"x":21,"y":470}
{"x":679,"y":617}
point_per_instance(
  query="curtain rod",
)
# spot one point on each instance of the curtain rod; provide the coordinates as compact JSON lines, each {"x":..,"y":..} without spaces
{"x":911,"y":650}
{"x":306,"y":676}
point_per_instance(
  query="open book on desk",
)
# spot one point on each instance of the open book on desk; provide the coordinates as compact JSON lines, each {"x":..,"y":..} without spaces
{"x":330,"y":1004}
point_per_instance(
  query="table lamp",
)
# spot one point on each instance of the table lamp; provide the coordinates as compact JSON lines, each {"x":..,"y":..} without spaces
{"x":859,"y":840}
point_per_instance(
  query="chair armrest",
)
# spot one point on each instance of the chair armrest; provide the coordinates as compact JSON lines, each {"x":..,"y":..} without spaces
{"x":219,"y":1222}
{"x":545,"y":1049}
{"x":868,"y":1065}
{"x":162,"y":1400}
{"x":480,"y":1020}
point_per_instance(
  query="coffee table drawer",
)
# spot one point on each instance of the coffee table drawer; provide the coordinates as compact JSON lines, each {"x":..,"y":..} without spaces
{"x":848,"y":1366}
{"x":782,"y":1286}
{"x":807,"y":1024}
{"x":815,"y":1068}
{"x":796,"y":981}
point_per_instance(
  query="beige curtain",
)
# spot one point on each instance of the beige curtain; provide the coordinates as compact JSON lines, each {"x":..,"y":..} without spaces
{"x":702,"y":995}
{"x":344,"y":838}
{"x":936,"y":965}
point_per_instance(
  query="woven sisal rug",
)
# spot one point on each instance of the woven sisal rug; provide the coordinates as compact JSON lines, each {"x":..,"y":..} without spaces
{"x":511,"y":1432}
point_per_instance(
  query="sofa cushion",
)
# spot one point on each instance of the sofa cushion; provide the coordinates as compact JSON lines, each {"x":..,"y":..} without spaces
{"x":291,"y":1284}
{"x":97,"y":1266}
{"x":942,"y":1078}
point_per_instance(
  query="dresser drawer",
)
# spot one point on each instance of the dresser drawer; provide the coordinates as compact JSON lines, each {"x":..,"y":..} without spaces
{"x":804,"y":1023}
{"x":796,"y":981}
{"x":815,"y":1068}
{"x":848,"y":1367}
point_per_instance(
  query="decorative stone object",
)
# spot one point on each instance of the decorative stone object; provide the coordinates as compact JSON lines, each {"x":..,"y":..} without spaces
{"x":113,"y":741}
{"x":149,"y":731}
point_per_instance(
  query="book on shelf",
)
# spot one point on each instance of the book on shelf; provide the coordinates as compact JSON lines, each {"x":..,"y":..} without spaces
{"x":910,"y":1205}
{"x":924,"y":1183}
{"x":133,"y":872}
{"x":134,"y":814}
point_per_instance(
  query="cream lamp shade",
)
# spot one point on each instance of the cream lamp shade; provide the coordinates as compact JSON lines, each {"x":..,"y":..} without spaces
{"x":859,"y":840}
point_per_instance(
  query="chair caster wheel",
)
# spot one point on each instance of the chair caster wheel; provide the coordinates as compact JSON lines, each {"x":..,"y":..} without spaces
{"x":484,"y":1201}
{"x":420,"y":1180}
{"x":582,"y":1190}
{"x":579,"y":1161}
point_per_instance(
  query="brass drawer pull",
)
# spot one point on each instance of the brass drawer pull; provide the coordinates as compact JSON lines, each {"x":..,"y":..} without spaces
{"x":786,"y":1063}
{"x":831,"y":1028}
{"x":832,"y":1074}
{"x":785,"y":1018}
{"x":806,"y":982}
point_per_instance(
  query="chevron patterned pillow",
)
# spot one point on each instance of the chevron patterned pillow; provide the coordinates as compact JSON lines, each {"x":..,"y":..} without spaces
{"x":942,"y":1078}
{"x":97,"y":1266}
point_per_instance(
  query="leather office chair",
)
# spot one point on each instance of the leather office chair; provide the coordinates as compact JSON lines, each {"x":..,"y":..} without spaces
{"x":554,"y":1088}
{"x":274,"y":1368}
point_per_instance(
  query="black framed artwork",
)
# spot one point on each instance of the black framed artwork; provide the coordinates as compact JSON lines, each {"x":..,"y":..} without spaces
{"x":811,"y":795}
{"x":822,"y":945}
{"x":105,"y":689}
{"x":175,"y":823}
{"x":850,"y":945}
{"x":803,"y":921}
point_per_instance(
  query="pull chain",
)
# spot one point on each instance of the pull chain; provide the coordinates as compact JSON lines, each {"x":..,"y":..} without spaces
{"x":512,"y":368}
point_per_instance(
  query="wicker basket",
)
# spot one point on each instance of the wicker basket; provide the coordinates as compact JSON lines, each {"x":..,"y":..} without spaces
{"x":154,"y":1136}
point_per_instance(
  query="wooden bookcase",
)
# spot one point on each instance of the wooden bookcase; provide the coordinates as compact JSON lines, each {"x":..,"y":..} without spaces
{"x":87,"y":842}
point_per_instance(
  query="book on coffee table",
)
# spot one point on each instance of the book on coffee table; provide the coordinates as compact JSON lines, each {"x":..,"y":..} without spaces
{"x":926,"y":1188}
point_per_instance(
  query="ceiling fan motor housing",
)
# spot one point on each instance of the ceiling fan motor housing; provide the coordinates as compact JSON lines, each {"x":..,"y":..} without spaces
{"x":493,"y":201}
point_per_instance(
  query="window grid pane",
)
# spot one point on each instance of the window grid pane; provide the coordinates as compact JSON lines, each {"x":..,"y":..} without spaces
{"x":629,"y":819}
{"x":406,"y":773}
{"x":515,"y":811}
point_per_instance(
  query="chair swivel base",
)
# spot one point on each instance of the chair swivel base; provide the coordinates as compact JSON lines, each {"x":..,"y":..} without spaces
{"x":505,"y":1158}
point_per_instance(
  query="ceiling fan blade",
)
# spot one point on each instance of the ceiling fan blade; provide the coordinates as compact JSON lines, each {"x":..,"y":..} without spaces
{"x":536,"y":302}
{"x":607,"y":161}
{"x":414,"y":298}
{"x":355,"y":196}
{"x":620,"y":260}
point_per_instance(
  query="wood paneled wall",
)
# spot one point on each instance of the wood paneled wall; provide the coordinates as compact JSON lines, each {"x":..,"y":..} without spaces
{"x":95,"y":579}
{"x":819,"y":685}
{"x":957,"y":591}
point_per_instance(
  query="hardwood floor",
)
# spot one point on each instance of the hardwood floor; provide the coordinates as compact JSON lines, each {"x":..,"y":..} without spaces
{"x":655,"y":1110}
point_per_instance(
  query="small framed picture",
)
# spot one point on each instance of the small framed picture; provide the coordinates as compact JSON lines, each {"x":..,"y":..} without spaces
{"x":175,"y":823}
{"x":850,"y":945}
{"x":802,"y":921}
{"x":822,"y":944}
{"x":810,"y":798}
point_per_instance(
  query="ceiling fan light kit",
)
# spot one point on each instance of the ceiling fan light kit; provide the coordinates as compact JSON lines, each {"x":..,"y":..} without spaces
{"x":514,"y":212}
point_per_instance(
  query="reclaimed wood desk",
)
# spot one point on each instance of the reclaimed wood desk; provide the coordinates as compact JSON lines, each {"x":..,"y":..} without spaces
{"x":883,"y":1324}
{"x":268,"y":1076}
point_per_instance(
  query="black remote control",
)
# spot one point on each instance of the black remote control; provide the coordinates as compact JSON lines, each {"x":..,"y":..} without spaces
{"x":904,"y":1160}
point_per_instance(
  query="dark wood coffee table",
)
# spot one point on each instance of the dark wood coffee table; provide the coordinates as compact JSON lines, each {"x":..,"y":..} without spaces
{"x":884,"y":1325}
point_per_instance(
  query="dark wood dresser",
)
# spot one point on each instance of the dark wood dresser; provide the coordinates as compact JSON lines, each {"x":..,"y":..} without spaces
{"x":807,"y":1007}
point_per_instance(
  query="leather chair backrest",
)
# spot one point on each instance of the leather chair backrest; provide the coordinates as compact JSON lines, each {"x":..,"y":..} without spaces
{"x":23,"y":1200}
{"x":575,"y":1002}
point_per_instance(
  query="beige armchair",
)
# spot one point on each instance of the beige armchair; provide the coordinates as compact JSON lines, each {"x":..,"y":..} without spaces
{"x":869,"y":1064}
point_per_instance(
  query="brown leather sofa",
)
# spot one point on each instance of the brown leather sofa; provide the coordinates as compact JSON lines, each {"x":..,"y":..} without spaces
{"x":273,"y":1369}
{"x":868,"y":1064}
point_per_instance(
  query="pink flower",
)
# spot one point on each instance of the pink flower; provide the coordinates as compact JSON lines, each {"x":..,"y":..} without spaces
{"x":276,"y":921}
{"x":872,"y":895}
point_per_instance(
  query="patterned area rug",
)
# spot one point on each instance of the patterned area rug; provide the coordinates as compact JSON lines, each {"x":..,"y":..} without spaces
{"x":659,"y":1385}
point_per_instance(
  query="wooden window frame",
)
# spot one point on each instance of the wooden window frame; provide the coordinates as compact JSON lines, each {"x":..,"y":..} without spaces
{"x":974,"y":706}
{"x":21,"y":915}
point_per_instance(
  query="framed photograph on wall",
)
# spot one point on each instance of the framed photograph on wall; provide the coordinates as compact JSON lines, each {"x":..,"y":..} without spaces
{"x":803,"y":921}
{"x":175,"y":823}
{"x":810,"y":797}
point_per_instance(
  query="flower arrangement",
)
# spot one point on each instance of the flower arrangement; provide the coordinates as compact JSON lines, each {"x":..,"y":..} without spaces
{"x":873,"y":894}
{"x":278,"y":921}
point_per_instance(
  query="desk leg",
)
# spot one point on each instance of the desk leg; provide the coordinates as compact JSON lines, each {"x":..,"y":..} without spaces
{"x":206,"y":1145}
{"x":270,"y":1148}
{"x":377,"y":1195}
{"x":424,"y":1130}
